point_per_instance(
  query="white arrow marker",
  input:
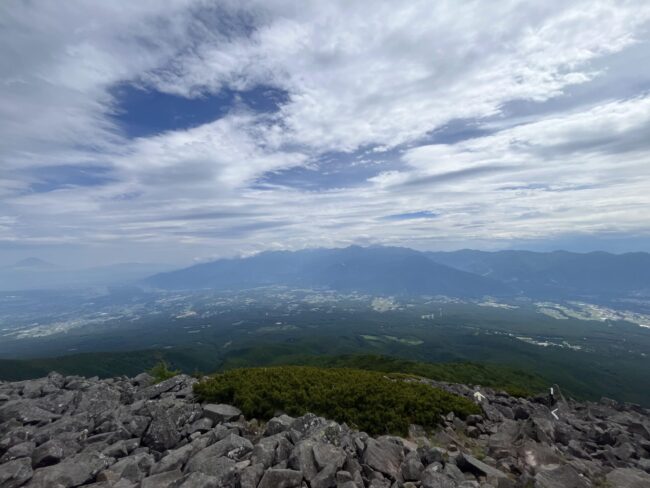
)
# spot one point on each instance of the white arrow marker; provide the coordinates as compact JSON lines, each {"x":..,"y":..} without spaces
{"x":479,"y":396}
{"x":554,"y":415}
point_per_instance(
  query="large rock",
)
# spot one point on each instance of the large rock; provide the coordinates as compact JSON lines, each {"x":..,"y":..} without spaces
{"x":302,"y":459}
{"x":231,"y":447}
{"x":161,"y":480}
{"x":412,"y":467}
{"x":565,"y":476}
{"x":162,"y":432}
{"x":132,"y":468}
{"x":197,"y":480}
{"x":98,"y":399}
{"x":434,"y":479}
{"x":470,"y":464}
{"x":384,"y":456}
{"x":628,"y":478}
{"x":264,"y":452}
{"x":15,"y":473}
{"x":24,"y":449}
{"x":220,"y":412}
{"x":25,"y":411}
{"x":251,"y":475}
{"x":177,"y":458}
{"x":278,"y":424}
{"x":50,"y":452}
{"x":176,"y":383}
{"x":222,"y":468}
{"x":73,"y":471}
{"x":281,"y":478}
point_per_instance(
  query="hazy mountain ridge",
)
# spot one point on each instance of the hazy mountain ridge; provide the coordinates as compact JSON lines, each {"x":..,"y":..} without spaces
{"x":396,"y":270}
{"x":557,"y":273}
{"x":372,"y":270}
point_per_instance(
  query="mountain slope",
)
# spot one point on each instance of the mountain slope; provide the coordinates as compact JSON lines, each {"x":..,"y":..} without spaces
{"x":372,"y":270}
{"x":557,"y":273}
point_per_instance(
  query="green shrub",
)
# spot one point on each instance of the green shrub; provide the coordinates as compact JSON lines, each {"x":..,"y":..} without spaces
{"x":161,"y":372}
{"x":370,"y":401}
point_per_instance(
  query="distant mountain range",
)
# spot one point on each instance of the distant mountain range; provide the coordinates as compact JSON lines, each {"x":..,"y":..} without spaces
{"x":375,"y":270}
{"x":388,"y":270}
{"x":557,"y":273}
{"x":402,"y":271}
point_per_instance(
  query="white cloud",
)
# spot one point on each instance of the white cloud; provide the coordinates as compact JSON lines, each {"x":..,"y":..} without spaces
{"x":380,"y":76}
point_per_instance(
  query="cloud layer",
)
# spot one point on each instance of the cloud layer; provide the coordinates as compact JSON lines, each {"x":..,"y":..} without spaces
{"x":431,"y":125}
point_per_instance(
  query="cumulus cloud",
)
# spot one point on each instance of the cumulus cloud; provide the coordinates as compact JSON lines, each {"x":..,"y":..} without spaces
{"x":370,"y":88}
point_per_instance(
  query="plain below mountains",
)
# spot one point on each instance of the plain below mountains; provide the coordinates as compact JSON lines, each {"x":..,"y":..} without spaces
{"x":402,"y":271}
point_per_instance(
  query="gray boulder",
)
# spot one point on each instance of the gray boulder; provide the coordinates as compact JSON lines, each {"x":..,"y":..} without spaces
{"x":73,"y":471}
{"x":196,"y":480}
{"x":162,"y":432}
{"x":176,"y":383}
{"x":281,"y":478}
{"x":412,"y":467}
{"x":25,"y":411}
{"x":24,"y":449}
{"x":434,"y":479}
{"x":231,"y":447}
{"x":278,"y":424}
{"x":97,"y":399}
{"x":251,"y":475}
{"x":472,"y":465}
{"x":50,"y":452}
{"x":177,"y":458}
{"x":302,"y":459}
{"x":15,"y":473}
{"x":565,"y":476}
{"x":161,"y":480}
{"x":220,"y":412}
{"x":384,"y":456}
{"x":132,"y":468}
{"x":628,"y":478}
{"x":264,"y":452}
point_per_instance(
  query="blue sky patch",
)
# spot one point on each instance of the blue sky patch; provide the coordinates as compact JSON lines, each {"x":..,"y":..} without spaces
{"x":143,"y":112}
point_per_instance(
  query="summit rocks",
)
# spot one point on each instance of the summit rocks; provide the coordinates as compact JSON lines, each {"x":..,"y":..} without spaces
{"x":130,"y":433}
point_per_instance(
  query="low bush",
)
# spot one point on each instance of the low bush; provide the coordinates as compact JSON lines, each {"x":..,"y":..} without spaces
{"x":377,"y":403}
{"x":161,"y":372}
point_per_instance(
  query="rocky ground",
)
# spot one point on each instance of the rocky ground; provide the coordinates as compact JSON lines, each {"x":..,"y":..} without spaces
{"x":71,"y":431}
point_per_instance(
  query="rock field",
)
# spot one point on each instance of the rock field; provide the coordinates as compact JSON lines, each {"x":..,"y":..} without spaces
{"x":125,"y":433}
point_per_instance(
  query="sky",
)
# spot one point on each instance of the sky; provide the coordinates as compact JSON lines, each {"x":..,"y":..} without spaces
{"x":181,"y":130}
